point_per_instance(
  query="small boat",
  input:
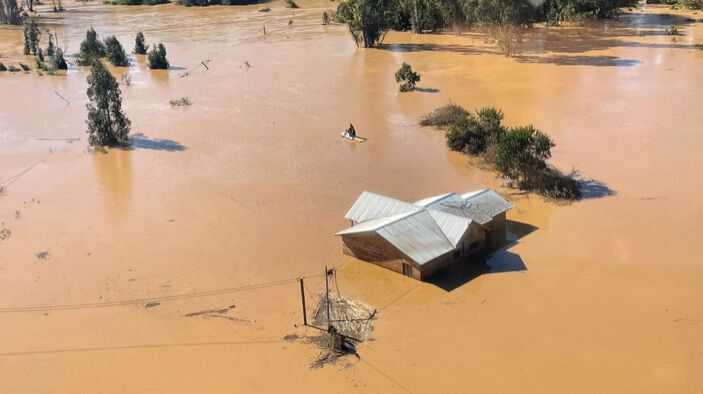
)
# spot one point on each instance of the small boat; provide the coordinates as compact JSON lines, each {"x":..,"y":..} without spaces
{"x":346,"y":135}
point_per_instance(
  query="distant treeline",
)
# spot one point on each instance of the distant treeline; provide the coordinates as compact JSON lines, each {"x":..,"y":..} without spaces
{"x":369,"y":20}
{"x":692,"y":4}
{"x":187,"y":3}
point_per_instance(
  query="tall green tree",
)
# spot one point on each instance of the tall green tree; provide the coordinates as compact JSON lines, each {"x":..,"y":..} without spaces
{"x":107,"y":124}
{"x":10,"y":12}
{"x":91,"y":48}
{"x":140,"y":46}
{"x":368,"y":20}
{"x":115,"y":53}
{"x":32,"y":36}
{"x":156,"y":60}
{"x":407,"y":78}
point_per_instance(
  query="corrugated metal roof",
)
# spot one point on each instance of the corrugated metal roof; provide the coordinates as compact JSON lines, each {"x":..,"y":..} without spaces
{"x":373,"y":225}
{"x":429,"y":228}
{"x":430,"y":200}
{"x":454,"y":227}
{"x":370,"y":206}
{"x":418,"y":236}
{"x":484,"y":205}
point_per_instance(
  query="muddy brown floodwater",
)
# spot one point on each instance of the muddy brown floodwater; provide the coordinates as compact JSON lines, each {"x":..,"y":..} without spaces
{"x":249,"y":184}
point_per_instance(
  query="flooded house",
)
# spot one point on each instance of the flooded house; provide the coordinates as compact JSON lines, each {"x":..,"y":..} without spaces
{"x":418,"y":239}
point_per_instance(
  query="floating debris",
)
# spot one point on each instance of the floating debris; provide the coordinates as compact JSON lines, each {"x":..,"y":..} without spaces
{"x":5,"y":233}
{"x":43,"y":255}
{"x":220,"y":310}
{"x":152,"y":304}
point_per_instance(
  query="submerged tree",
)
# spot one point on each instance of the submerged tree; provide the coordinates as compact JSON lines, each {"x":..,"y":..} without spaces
{"x":91,"y":48}
{"x":107,"y":124}
{"x":10,"y":12}
{"x":407,"y":78}
{"x":522,"y":153}
{"x":157,"y":58}
{"x":115,"y":52}
{"x":368,"y":20}
{"x":31,"y":37}
{"x":58,"y":61}
{"x":140,"y":46}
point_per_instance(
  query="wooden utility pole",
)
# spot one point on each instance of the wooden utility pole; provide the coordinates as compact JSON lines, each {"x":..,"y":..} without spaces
{"x":327,"y":292}
{"x":302,"y":297}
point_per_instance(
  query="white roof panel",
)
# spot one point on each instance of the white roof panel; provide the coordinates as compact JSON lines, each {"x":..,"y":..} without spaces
{"x":370,"y":206}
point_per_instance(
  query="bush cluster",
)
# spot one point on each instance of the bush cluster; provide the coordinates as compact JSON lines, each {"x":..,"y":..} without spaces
{"x":156,"y":59}
{"x":518,"y":153}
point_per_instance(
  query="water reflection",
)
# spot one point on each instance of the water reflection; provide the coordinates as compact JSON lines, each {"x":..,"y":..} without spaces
{"x":113,"y":170}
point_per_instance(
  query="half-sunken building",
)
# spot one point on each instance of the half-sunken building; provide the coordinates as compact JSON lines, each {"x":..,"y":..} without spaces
{"x":417,"y":239}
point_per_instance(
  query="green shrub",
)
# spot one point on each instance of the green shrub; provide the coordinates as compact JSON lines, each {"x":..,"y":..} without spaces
{"x":522,"y":152}
{"x":407,"y":78}
{"x":156,"y":60}
{"x":325,"y":18}
{"x":140,"y":46}
{"x":290,"y":4}
{"x":3,"y":67}
{"x":444,"y":115}
{"x":672,"y":30}
{"x":115,"y":53}
{"x":181,"y":102}
{"x":25,"y":67}
{"x":58,"y":62}
{"x":459,"y":134}
{"x":91,"y":48}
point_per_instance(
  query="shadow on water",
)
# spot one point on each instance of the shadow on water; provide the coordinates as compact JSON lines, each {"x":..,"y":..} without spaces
{"x":495,"y":259}
{"x":601,"y":61}
{"x":426,"y":90}
{"x":591,"y":189}
{"x":140,"y":141}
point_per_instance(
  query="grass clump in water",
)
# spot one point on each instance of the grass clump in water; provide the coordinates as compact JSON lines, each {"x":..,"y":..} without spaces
{"x":25,"y":67}
{"x":3,"y":67}
{"x":181,"y":102}
{"x":291,"y":4}
{"x":444,"y":115}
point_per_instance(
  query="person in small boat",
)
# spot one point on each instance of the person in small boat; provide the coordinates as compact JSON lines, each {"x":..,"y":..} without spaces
{"x":351,"y":131}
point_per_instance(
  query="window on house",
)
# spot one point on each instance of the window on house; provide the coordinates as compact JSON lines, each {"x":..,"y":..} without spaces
{"x":407,"y":269}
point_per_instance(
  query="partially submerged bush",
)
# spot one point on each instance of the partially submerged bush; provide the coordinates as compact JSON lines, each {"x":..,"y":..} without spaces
{"x":91,"y":48}
{"x":140,"y":46}
{"x":325,"y":18}
{"x":672,"y":30}
{"x":264,"y":9}
{"x":156,"y":59}
{"x":444,"y":115}
{"x":3,"y":67}
{"x":115,"y":53}
{"x":58,"y":62}
{"x":474,"y":135}
{"x":290,"y":4}
{"x":520,"y":153}
{"x":25,"y":67}
{"x":13,"y":69}
{"x":181,"y":102}
{"x":407,"y":78}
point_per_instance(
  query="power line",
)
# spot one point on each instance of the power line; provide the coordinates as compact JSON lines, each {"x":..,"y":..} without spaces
{"x":397,"y":298}
{"x":385,"y":375}
{"x":89,"y":305}
{"x":141,"y":346}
